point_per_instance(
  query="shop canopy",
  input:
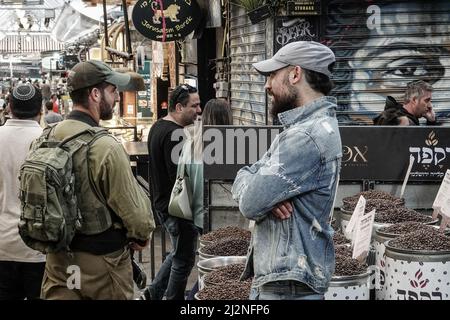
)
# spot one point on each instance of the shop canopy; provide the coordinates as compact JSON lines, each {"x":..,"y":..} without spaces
{"x":42,"y":25}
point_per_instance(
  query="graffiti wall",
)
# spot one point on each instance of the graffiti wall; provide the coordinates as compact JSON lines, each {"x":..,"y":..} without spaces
{"x":380,"y":46}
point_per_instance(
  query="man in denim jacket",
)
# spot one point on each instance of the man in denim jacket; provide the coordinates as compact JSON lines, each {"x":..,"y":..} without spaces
{"x":290,"y":191}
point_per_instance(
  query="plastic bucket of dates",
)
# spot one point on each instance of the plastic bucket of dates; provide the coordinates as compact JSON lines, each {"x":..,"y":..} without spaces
{"x":351,"y":278}
{"x":417,"y":266}
{"x":383,"y":235}
{"x":224,"y":232}
{"x":206,"y":266}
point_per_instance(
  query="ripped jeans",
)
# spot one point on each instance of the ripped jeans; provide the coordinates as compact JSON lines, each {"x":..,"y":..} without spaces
{"x":284,"y":290}
{"x":172,"y":277}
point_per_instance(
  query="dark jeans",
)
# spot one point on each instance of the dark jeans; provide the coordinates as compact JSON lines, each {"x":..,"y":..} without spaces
{"x":20,"y":280}
{"x":173,"y":275}
{"x":284,"y":290}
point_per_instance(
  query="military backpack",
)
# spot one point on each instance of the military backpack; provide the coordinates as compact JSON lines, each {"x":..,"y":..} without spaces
{"x":50,"y":216}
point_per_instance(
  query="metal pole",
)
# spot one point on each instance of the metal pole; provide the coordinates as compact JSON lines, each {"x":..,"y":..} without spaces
{"x":11,"y":67}
{"x":127,"y":26}
{"x":105,"y":22}
{"x":50,"y":73}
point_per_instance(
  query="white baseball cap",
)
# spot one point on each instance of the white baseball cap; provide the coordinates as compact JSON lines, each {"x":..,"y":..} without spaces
{"x":309,"y":55}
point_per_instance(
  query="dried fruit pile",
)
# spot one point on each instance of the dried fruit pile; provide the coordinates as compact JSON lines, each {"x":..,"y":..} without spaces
{"x":400,"y":214}
{"x":229,"y":273}
{"x":227,"y":291}
{"x":227,"y":232}
{"x":339,"y":238}
{"x":345,"y":265}
{"x":377,"y":204}
{"x":404,"y":227}
{"x":432,"y":239}
{"x":372,"y":194}
{"x":227,"y":247}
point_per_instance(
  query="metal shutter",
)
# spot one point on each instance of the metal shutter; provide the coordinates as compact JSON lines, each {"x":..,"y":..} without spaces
{"x":380,"y":46}
{"x":247,"y":46}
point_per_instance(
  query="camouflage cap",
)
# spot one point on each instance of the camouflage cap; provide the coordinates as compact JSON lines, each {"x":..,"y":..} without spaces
{"x":92,"y":72}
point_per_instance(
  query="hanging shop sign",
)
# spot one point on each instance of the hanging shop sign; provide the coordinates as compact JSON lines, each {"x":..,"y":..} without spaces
{"x":71,"y":60}
{"x":166,"y":20}
{"x":144,"y":106}
{"x":303,"y":7}
{"x":290,"y":29}
{"x":368,"y":152}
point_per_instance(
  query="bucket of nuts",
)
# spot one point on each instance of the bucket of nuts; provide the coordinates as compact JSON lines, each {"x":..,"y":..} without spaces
{"x":381,"y":236}
{"x":350,"y":280}
{"x":417,"y":266}
{"x":349,"y":203}
{"x":224,"y":232}
{"x":221,"y":275}
{"x":224,"y":247}
{"x":236,"y":290}
{"x":206,"y":266}
{"x":387,"y":213}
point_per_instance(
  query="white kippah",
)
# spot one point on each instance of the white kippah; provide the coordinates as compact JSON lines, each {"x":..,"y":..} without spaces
{"x":24,"y":92}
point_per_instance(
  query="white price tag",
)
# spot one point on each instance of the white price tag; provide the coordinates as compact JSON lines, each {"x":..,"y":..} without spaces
{"x":359,"y":211}
{"x":408,"y":172}
{"x":363,"y":235}
{"x":441,"y":203}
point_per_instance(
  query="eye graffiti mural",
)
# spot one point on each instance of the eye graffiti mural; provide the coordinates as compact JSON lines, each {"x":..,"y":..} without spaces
{"x":380,"y":46}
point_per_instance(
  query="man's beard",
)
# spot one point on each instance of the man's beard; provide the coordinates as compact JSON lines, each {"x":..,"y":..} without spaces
{"x":284,"y":103}
{"x":106,"y":111}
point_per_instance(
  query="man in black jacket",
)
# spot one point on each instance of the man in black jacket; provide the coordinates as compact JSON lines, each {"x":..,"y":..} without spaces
{"x":417,"y":104}
{"x":164,"y":147}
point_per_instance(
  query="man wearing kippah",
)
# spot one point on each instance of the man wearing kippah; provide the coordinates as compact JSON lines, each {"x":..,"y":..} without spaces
{"x":289,"y":192}
{"x":21,"y":268}
{"x":115,"y":210}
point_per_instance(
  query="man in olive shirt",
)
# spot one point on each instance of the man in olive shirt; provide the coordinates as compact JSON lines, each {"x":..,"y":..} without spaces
{"x":100,"y":260}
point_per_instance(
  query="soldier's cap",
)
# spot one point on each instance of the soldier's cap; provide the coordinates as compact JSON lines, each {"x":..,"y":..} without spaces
{"x":309,"y":55}
{"x":92,"y":72}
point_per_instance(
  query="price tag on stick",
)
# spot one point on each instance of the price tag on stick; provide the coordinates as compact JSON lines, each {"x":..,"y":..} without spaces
{"x":359,"y":211}
{"x":363,"y":235}
{"x":441,"y":204}
{"x":408,"y":172}
{"x":444,"y":210}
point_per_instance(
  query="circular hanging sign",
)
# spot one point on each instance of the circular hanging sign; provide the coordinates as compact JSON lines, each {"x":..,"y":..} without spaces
{"x":166,"y":20}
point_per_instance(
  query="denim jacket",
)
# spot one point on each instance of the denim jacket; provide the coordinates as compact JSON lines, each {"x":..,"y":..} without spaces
{"x":302,"y":165}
